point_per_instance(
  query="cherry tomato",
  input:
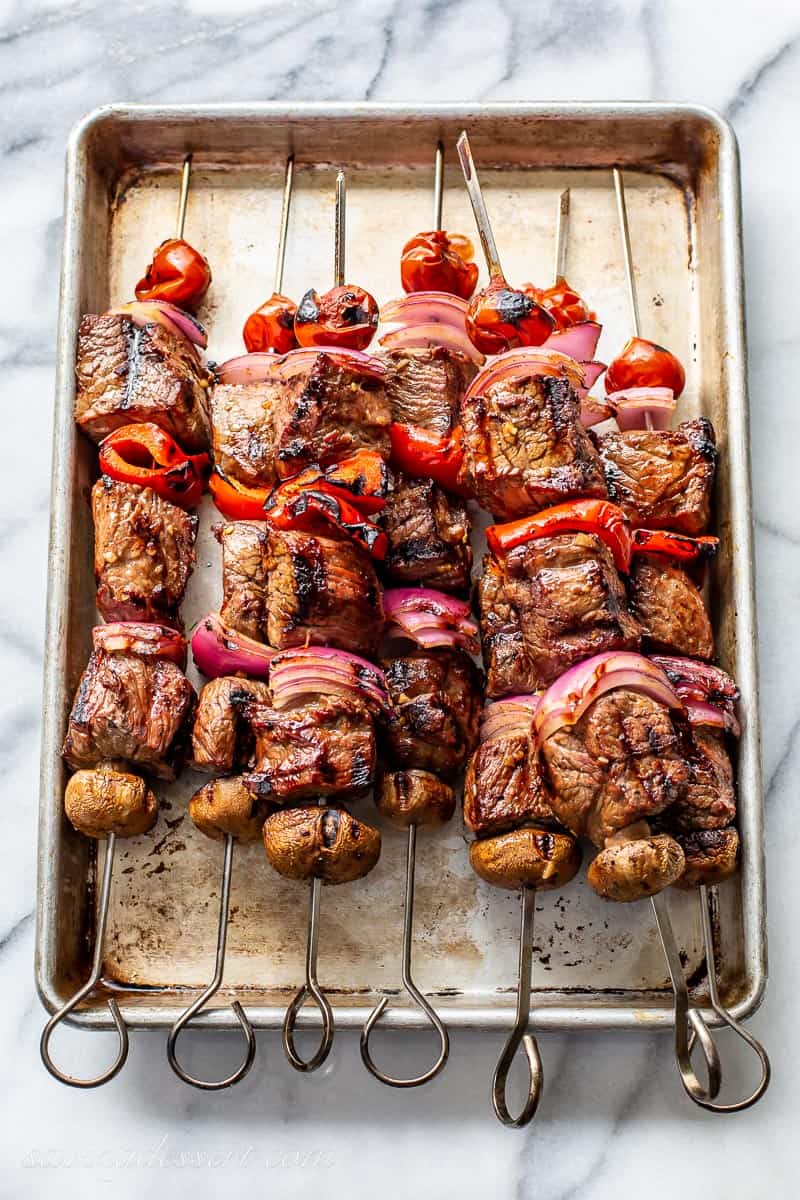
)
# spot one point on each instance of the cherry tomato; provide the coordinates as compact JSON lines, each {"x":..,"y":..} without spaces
{"x":271,"y":327}
{"x":562,"y":302}
{"x":501,"y":317}
{"x":439,"y":262}
{"x":345,"y":316}
{"x":645,"y":364}
{"x":178,"y":273}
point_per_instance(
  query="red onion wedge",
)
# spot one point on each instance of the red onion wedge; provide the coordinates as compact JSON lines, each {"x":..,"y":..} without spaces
{"x":566,"y":700}
{"x":428,"y":319}
{"x":510,"y":717}
{"x":259,"y":368}
{"x":315,"y":670}
{"x":148,"y":641}
{"x":700,"y":713}
{"x":526,"y":362}
{"x":633,"y":406}
{"x":579,"y":341}
{"x":218,"y":649}
{"x":700,"y":684}
{"x":430,"y":618}
{"x":145,"y":312}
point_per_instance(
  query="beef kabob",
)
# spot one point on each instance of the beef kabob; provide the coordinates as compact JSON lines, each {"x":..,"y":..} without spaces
{"x":132,"y":713}
{"x":300,"y":444}
{"x":667,"y":596}
{"x":552,"y":594}
{"x":133,"y":705}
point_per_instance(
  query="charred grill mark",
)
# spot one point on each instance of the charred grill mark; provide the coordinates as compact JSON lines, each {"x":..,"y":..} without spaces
{"x":310,"y":578}
{"x":361,"y":773}
{"x":133,"y":340}
{"x":545,"y":844}
{"x":329,"y":827}
{"x":560,"y":404}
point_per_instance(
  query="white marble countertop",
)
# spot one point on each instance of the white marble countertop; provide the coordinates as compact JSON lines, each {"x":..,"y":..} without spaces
{"x":614,"y":1121}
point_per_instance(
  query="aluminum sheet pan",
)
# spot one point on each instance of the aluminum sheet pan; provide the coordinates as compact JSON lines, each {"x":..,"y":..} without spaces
{"x":596,"y":965}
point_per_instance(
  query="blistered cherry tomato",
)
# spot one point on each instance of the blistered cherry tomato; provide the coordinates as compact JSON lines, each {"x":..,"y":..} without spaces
{"x":439,"y":262}
{"x":271,"y":327}
{"x":645,"y":364}
{"x":501,"y":317}
{"x":345,"y":316}
{"x":178,"y":273}
{"x":564,"y":304}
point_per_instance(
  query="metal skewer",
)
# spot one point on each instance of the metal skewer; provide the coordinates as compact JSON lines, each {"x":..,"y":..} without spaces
{"x":622,"y":214}
{"x":310,"y":991}
{"x":410,"y":987}
{"x":520,"y":1034}
{"x":211,"y":1085}
{"x":438,"y":185}
{"x":88,"y":987}
{"x":184,"y":196}
{"x":286,"y":204}
{"x":562,"y":235}
{"x":727,"y":1019}
{"x":479,"y":208}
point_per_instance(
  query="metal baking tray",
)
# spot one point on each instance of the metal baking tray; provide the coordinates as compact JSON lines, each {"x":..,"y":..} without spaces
{"x":596,"y":965}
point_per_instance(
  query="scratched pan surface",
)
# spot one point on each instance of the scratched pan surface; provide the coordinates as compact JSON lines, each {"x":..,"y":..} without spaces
{"x":596,"y":965}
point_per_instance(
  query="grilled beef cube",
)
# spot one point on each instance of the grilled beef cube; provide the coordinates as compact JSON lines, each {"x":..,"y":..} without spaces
{"x":323,"y":748}
{"x":436,"y":704}
{"x":662,"y":479}
{"x":709,"y":800}
{"x":428,"y":532}
{"x":143,"y":552}
{"x":525,"y":448}
{"x":242,"y":422}
{"x":221,"y":737}
{"x":670,"y":609}
{"x":245,"y":557}
{"x":327,"y":412}
{"x":130,"y":709}
{"x":128,"y":373}
{"x":322,"y":592}
{"x":551,"y":603}
{"x":425,"y":384}
{"x":622,"y":762}
{"x":503,"y":788}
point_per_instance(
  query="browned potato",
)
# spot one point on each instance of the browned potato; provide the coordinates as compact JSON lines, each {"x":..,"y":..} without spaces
{"x":631,"y":870}
{"x":711,"y":856}
{"x":415,"y":798}
{"x":226,"y":806}
{"x":528,"y":857}
{"x":104,"y":801}
{"x":326,"y":843}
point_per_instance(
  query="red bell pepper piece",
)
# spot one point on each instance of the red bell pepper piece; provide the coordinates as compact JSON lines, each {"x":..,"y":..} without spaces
{"x":674,"y":545}
{"x":313,"y":506}
{"x":235,"y":500}
{"x":360,"y":480}
{"x":589,"y":516}
{"x":424,"y":454}
{"x":147,"y":455}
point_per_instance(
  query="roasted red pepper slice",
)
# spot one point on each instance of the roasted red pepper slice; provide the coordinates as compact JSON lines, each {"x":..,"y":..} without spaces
{"x":235,"y":500}
{"x":674,"y":545}
{"x":501,"y":317}
{"x":362,"y":478}
{"x":178,"y":273}
{"x":641,"y":363}
{"x":439,"y":262}
{"x":313,"y":507}
{"x":147,"y":455}
{"x":589,"y":516}
{"x":271,"y":327}
{"x":565,"y":305}
{"x":428,"y":455}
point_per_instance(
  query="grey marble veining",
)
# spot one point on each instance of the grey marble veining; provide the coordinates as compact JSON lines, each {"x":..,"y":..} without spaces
{"x":614,"y":1122}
